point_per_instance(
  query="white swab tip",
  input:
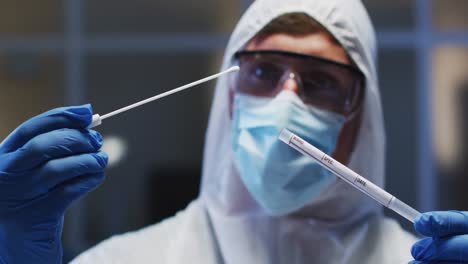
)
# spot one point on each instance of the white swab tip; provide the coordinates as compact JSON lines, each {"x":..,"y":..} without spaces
{"x":234,"y":68}
{"x":96,"y":121}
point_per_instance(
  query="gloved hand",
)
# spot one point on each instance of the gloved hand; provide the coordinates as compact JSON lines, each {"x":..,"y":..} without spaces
{"x":45,"y":164}
{"x":447,"y":238}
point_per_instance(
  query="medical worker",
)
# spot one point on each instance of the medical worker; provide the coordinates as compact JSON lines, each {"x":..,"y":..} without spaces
{"x":308,"y":65}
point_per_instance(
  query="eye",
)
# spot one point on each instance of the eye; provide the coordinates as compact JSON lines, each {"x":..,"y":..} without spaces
{"x":320,"y":83}
{"x":266,"y":71}
{"x":321,"y":86}
{"x":325,"y":83}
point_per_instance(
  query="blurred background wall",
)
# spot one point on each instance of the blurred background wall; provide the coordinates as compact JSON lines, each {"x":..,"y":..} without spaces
{"x":112,"y":53}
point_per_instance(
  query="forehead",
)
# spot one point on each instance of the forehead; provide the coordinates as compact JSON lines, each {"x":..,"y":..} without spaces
{"x":320,"y":44}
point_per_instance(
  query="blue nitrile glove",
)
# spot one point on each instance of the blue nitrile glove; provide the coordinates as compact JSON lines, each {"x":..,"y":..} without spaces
{"x":45,"y":164}
{"x":447,"y":238}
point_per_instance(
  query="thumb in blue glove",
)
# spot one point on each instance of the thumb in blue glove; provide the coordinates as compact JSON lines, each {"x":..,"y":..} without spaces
{"x":46,"y":164}
{"x":446,"y":237}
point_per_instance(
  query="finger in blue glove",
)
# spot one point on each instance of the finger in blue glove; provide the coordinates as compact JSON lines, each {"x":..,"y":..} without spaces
{"x":447,"y":237}
{"x":46,"y":164}
{"x":64,"y":117}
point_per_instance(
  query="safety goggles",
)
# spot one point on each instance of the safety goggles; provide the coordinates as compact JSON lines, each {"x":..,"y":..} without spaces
{"x":322,"y":83}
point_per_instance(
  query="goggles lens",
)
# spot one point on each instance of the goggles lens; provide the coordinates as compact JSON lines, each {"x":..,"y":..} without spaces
{"x":323,"y":83}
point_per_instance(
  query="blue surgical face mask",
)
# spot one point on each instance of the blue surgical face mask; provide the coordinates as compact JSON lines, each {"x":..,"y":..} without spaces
{"x":281,"y":179}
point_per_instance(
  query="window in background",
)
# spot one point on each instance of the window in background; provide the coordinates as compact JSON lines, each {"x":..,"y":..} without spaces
{"x":450,"y":15}
{"x":397,"y":81}
{"x":391,"y":15}
{"x":450,"y":100}
{"x":28,"y":17}
{"x":159,"y":136}
{"x":149,"y":16}
{"x":30,"y":83}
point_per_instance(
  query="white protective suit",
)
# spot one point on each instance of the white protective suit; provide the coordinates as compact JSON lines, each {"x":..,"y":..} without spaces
{"x":226,"y":225}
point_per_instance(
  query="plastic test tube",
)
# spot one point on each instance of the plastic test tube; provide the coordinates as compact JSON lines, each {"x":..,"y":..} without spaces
{"x":349,"y":176}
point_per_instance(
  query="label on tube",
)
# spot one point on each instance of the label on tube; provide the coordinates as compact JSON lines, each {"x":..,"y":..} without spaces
{"x":337,"y":168}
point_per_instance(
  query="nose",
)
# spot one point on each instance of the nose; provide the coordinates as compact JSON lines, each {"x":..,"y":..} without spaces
{"x":291,"y":83}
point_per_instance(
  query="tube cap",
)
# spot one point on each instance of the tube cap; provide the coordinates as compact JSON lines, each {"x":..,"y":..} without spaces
{"x":285,"y":135}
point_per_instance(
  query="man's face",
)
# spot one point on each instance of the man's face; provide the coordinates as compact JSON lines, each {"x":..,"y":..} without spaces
{"x":320,"y":44}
